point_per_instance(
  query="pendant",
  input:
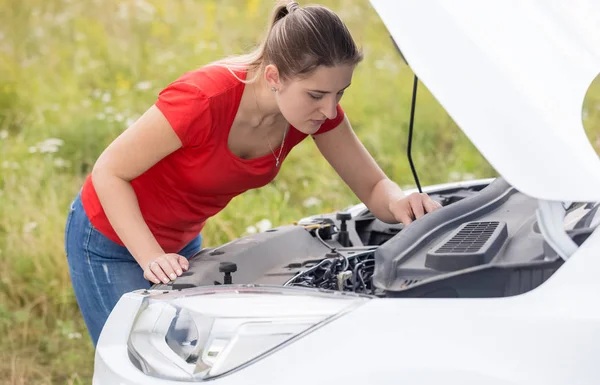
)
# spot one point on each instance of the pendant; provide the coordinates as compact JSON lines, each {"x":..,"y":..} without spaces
{"x":277,"y":163}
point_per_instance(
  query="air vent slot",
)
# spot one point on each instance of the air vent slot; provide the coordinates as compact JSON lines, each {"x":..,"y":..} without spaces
{"x":470,"y":239}
{"x":409,"y":282}
{"x":472,"y":244}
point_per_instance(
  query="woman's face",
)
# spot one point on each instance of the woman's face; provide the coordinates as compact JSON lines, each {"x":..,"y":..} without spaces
{"x":306,"y":102}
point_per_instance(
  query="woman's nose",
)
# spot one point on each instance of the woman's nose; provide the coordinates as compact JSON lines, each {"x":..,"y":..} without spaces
{"x":329,"y":110}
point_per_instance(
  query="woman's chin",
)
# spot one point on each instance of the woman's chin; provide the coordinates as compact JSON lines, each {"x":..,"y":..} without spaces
{"x":308,"y":128}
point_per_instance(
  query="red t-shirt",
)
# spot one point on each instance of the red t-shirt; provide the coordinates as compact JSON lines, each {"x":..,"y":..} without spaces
{"x":180,"y":192}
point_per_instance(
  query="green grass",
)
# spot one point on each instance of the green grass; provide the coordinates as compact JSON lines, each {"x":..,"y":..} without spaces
{"x":80,"y":71}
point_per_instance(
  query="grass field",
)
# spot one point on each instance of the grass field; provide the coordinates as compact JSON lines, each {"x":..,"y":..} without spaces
{"x":74,"y":74}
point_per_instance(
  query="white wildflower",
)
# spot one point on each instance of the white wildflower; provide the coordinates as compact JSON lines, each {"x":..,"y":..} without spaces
{"x":311,"y":202}
{"x":33,"y":149}
{"x":50,"y":145}
{"x":201,"y":45}
{"x":143,"y":86}
{"x":106,"y":97}
{"x":386,"y":64}
{"x":119,"y":117}
{"x":263,"y":225}
{"x":60,"y":163}
{"x":26,"y":63}
{"x":146,"y":10}
{"x":165,"y":57}
{"x":100,"y":116}
{"x":53,"y":142}
{"x":93,"y":64}
{"x":29,"y":227}
{"x":130,"y":121}
{"x":96,"y":93}
{"x":144,"y":6}
{"x":251,"y":230}
{"x":454,"y":176}
{"x":123,"y":11}
{"x":3,"y":134}
{"x":61,"y":18}
{"x":109,"y":110}
{"x":74,"y":336}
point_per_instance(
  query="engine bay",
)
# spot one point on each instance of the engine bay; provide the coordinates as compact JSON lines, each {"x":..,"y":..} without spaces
{"x":483,"y":242}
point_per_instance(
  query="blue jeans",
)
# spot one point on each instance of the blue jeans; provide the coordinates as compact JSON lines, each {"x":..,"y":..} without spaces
{"x":102,"y":270}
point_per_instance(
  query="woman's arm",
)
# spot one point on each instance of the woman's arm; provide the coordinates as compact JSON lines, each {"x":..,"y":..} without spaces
{"x":138,"y":148}
{"x":358,"y":169}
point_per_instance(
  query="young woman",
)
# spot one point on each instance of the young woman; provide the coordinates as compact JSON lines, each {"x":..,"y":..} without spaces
{"x":212,"y":134}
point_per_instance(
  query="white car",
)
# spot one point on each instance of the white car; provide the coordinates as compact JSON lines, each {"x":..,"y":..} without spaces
{"x":499,"y":286}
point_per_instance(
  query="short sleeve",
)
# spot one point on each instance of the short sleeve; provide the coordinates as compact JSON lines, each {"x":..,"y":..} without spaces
{"x":188,"y":111}
{"x":330,"y":124}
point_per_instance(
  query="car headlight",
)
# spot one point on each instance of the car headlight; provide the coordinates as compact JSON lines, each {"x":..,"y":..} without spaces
{"x":208,"y":332}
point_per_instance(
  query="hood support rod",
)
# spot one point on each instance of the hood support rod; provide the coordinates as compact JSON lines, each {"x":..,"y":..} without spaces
{"x":410,"y":132}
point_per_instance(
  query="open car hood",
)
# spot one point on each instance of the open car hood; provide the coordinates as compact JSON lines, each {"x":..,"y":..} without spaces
{"x":513,"y":75}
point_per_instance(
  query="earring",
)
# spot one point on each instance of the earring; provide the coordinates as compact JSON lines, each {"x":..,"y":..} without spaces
{"x":273,"y":89}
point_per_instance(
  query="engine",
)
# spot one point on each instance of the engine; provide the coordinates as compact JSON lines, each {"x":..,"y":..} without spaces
{"x":483,"y":242}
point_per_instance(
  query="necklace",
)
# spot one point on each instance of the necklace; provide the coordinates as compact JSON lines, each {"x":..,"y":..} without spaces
{"x":280,"y":149}
{"x":278,"y":156}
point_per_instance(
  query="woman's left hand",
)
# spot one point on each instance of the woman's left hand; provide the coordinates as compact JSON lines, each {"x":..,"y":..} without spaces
{"x":412,"y":207}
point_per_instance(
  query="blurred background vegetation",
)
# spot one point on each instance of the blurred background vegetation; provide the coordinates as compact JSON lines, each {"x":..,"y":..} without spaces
{"x":75,"y":73}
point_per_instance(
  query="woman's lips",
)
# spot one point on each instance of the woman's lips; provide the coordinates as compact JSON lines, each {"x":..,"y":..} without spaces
{"x":317,"y":122}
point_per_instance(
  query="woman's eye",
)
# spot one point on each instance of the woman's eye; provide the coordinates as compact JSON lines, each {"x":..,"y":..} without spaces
{"x":316,"y":97}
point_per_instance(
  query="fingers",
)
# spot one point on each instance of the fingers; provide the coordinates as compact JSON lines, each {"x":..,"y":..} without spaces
{"x":166,"y":268}
{"x":175,"y":267}
{"x":150,"y":275}
{"x":405,"y":218}
{"x":413,"y":207}
{"x":416,"y":205}
{"x":401,"y":211}
{"x":183,"y":262}
{"x":162,"y":269}
{"x":429,"y":204}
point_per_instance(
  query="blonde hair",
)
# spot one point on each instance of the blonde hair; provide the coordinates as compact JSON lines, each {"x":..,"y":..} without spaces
{"x":297,"y":41}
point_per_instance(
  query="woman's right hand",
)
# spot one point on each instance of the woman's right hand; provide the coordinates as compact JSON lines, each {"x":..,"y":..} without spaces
{"x":165,"y":268}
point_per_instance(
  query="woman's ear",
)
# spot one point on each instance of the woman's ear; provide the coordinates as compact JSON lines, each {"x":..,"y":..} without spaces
{"x":272,"y":77}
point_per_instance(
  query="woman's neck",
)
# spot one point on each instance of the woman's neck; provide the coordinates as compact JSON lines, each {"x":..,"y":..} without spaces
{"x":261,"y":106}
